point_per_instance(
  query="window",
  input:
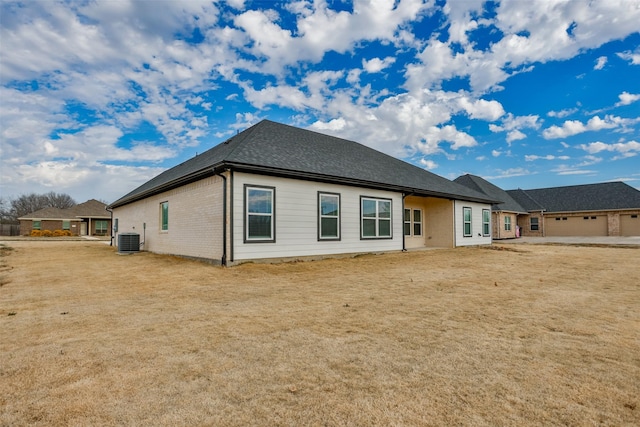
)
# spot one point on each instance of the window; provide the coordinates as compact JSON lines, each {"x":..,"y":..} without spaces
{"x":375,"y":218}
{"x":593,"y":217}
{"x":259,"y":214}
{"x":413,"y":223}
{"x":407,"y":222}
{"x":164,"y":216}
{"x":101,"y":227}
{"x":36,"y":225}
{"x":634,"y":216}
{"x":115,"y":225}
{"x":417,"y":222}
{"x":585,"y":217}
{"x":466,"y":220}
{"x":328,"y":216}
{"x":534,"y":224}
{"x":507,"y":223}
{"x":558,"y":219}
{"x":66,"y":225}
{"x":486,"y":222}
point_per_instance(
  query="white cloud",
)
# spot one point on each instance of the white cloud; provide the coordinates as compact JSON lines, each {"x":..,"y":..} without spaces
{"x":428,"y":164}
{"x":534,"y":157}
{"x":572,"y":170}
{"x":600,"y":63}
{"x":375,"y":65}
{"x":515,"y":135}
{"x":629,"y":148}
{"x":562,"y":113}
{"x":510,"y":173}
{"x":496,"y":153}
{"x":627,"y":98}
{"x":482,"y":109}
{"x":574,"y":127}
{"x":633,"y":57}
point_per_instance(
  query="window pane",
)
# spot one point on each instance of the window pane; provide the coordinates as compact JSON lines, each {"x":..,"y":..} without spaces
{"x":329,"y":205}
{"x":417,"y":215}
{"x":36,"y":225}
{"x":467,"y":214}
{"x":165,"y":215}
{"x":368,"y":227}
{"x":368,"y":208}
{"x":417,"y":229}
{"x":329,"y":227}
{"x":259,"y":201}
{"x":384,"y":209}
{"x":66,"y":225}
{"x":407,"y":228}
{"x":384,"y":228}
{"x":467,"y":228}
{"x":407,"y":214}
{"x":259,"y":227}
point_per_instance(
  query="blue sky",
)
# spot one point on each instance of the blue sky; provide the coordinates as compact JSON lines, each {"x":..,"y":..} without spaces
{"x":97,"y":97}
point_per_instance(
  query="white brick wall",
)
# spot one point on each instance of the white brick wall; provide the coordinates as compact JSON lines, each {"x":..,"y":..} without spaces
{"x":195,"y":220}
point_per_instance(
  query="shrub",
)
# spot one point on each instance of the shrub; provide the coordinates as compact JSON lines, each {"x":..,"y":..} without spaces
{"x":47,"y":233}
{"x":36,"y":233}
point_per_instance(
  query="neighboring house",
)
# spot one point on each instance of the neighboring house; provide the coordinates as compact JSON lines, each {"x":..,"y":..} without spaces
{"x":504,"y":214}
{"x":604,"y":209}
{"x":275,"y":192}
{"x":86,"y":219}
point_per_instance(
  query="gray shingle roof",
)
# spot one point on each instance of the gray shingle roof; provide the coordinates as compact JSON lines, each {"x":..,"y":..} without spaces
{"x":507,"y":203}
{"x":275,"y":148}
{"x":590,"y":197}
{"x":89,"y":209}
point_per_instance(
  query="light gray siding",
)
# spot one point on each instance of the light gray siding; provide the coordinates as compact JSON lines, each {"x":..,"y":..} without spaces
{"x":476,"y":237}
{"x":296,"y":220}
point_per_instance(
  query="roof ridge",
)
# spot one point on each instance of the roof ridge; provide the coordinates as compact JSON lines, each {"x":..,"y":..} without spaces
{"x":241,"y":136}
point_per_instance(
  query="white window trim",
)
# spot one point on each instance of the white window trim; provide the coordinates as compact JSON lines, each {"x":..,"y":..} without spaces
{"x":486,"y":223}
{"x":321,"y":216}
{"x":272,"y":215}
{"x":464,"y":222}
{"x":376,"y":218}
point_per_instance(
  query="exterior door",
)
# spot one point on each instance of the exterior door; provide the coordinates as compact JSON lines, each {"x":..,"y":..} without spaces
{"x":83,"y":228}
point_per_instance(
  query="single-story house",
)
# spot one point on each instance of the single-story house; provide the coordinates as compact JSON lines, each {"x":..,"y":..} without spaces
{"x":275,"y":191}
{"x":86,"y":219}
{"x":504,"y":215}
{"x":603,"y":209}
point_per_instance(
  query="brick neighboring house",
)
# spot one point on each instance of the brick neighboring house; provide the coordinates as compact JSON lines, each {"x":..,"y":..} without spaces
{"x":602,"y":209}
{"x":86,"y":219}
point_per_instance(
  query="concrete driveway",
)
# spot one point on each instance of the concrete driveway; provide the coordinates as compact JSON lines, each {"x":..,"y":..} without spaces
{"x":594,"y":240}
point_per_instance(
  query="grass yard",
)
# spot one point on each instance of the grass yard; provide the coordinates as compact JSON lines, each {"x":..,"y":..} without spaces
{"x":514,"y":335}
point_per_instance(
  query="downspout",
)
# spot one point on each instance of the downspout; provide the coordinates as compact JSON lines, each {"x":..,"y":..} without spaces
{"x":223,"y":261}
{"x":111,"y":228}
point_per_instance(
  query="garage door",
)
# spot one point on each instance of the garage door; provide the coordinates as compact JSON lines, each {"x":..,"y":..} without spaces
{"x":588,"y":225}
{"x":630,"y":225}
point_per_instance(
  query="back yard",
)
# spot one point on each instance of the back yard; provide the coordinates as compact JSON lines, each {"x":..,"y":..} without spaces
{"x":525,"y":334}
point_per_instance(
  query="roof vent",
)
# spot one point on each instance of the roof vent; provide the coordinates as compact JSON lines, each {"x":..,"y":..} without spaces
{"x":128,"y":242}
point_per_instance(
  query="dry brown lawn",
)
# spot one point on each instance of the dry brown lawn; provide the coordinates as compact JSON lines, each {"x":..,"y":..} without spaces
{"x":526,"y":335}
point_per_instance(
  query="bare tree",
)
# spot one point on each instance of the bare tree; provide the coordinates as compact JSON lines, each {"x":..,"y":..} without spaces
{"x":28,"y":203}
